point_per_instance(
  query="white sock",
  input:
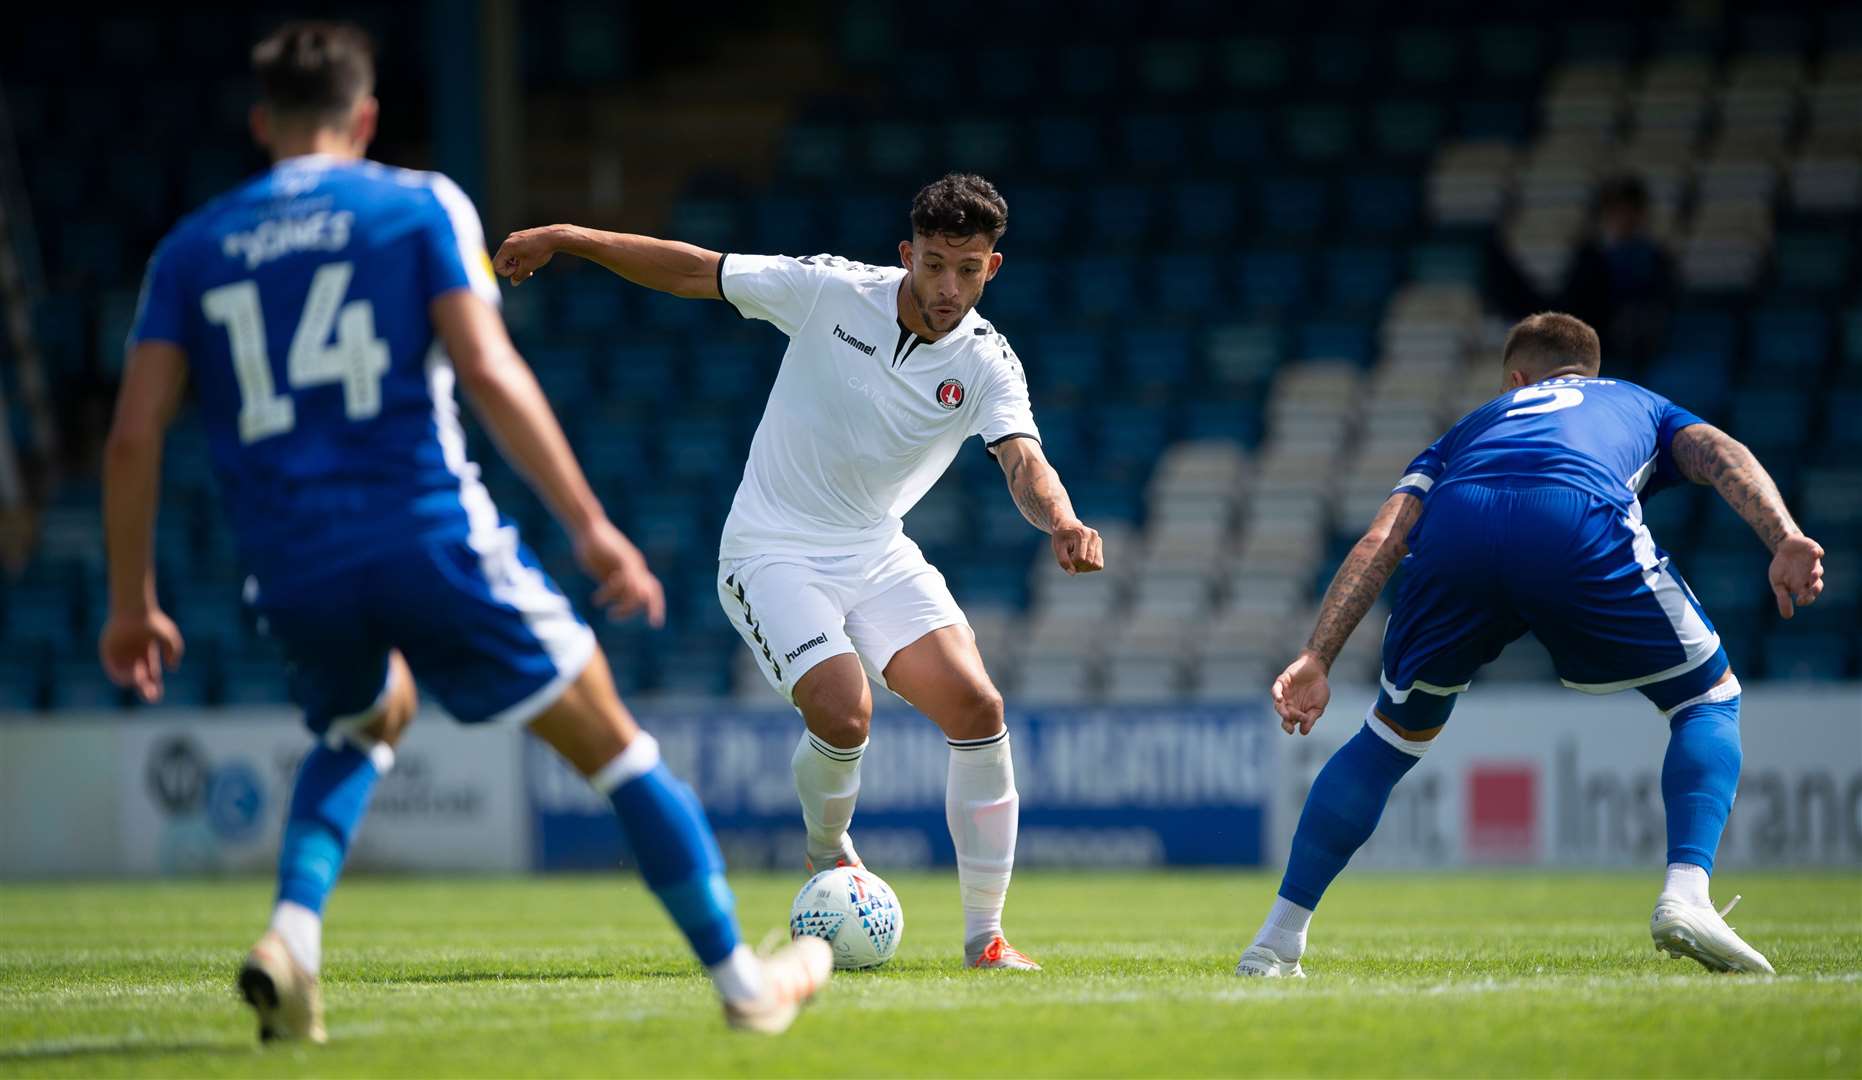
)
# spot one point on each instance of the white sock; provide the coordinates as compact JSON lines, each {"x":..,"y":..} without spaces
{"x":1686,"y":882}
{"x":1285,"y":929}
{"x":302,"y":931}
{"x":828,"y":780}
{"x":984,"y":811}
{"x":739,"y":976}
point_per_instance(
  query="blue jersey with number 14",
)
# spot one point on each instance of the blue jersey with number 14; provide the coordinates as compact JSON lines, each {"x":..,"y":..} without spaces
{"x":301,"y":299}
{"x":1615,"y":446}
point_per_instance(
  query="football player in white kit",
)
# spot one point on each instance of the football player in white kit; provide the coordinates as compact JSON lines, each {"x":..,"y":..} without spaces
{"x":888,"y":371}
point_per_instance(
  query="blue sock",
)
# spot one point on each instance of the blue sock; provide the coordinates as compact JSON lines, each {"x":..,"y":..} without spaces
{"x":1342,"y":809}
{"x":673,"y":846}
{"x":332,"y":791}
{"x":1700,"y":775}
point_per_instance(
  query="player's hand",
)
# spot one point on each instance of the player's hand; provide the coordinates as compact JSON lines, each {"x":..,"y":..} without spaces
{"x":1301,"y":694}
{"x":1078,"y":549}
{"x":135,"y":648}
{"x":524,"y":253}
{"x":627,"y":586}
{"x":1797,"y":573}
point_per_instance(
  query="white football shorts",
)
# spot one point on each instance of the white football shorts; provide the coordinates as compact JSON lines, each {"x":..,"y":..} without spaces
{"x":796,"y":611}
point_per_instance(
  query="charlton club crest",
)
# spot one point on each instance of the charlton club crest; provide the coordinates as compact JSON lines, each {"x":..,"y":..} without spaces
{"x":950,"y":393}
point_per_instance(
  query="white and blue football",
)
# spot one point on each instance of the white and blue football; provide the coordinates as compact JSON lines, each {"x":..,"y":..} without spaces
{"x":854,"y":912}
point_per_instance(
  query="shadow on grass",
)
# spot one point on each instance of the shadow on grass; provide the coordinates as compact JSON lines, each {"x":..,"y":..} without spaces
{"x":74,"y":1050}
{"x":441,"y":978}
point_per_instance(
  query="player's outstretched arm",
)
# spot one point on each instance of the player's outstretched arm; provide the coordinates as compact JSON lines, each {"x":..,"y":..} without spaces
{"x":1706,"y":455}
{"x":138,"y":639}
{"x":666,"y":265}
{"x":505,"y":394}
{"x":1035,"y":487}
{"x":1302,"y":691}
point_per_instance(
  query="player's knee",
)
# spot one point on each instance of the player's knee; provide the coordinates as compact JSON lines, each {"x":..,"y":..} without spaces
{"x":845,"y":727}
{"x":977,"y":715}
{"x":397,"y":710}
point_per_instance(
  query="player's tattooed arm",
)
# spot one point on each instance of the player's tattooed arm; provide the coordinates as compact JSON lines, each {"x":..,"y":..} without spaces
{"x":1361,"y":579}
{"x":1038,"y":494}
{"x":667,"y":266}
{"x":1706,"y":455}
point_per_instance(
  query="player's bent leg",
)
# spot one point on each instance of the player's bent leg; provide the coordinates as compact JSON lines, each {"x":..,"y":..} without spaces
{"x":1342,"y":809}
{"x":836,"y":704}
{"x":334,"y":783}
{"x":1700,"y":775}
{"x":942,"y":675}
{"x":673,"y":846}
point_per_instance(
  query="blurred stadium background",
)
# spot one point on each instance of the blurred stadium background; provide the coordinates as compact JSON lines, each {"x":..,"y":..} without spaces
{"x":1257,"y":258}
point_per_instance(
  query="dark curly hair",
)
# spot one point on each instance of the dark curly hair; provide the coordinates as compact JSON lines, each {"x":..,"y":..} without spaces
{"x":314,"y":70}
{"x":960,"y":205}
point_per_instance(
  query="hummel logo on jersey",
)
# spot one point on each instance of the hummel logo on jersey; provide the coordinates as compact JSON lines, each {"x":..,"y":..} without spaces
{"x":854,"y":341}
{"x":818,"y":639}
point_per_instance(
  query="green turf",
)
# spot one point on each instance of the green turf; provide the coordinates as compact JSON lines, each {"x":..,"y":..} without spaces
{"x":1515,"y":974}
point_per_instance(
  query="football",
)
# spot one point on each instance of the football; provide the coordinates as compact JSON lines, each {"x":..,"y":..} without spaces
{"x":852,"y":910}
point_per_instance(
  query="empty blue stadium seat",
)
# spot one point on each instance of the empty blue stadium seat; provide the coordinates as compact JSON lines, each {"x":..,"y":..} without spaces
{"x":1447,"y":263}
{"x":1088,"y":72}
{"x":1426,"y":57}
{"x":1335,"y":339}
{"x":897,"y":150}
{"x":1203,"y":213}
{"x":1381,"y":205}
{"x":1320,"y":133}
{"x":1069,"y":361}
{"x":785,"y":225}
{"x":1340,"y":60}
{"x":1812,"y":263}
{"x":644,"y":372}
{"x":986,"y":146}
{"x":1407,"y":129}
{"x":1791,"y":653}
{"x":1360,"y":279}
{"x":1510,"y":52}
{"x":1155,"y":143}
{"x":1698,"y":381}
{"x":1507,"y":120}
{"x":816,"y":151}
{"x":1187,"y":284}
{"x":1102,"y":287}
{"x":1293,"y":207}
{"x":1121,"y":215}
{"x":1131,"y":434}
{"x":1237,"y":137}
{"x":709,"y":223}
{"x":1068,"y":146}
{"x":1155,"y":358}
{"x":1024,"y":289}
{"x":1256,"y":64}
{"x":1771,"y":420}
{"x":1244,"y":355}
{"x":1273,"y":280}
{"x":1039,"y":218}
{"x":1788,"y":342}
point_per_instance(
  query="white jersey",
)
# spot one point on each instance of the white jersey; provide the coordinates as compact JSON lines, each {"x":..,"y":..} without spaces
{"x":865,"y":415}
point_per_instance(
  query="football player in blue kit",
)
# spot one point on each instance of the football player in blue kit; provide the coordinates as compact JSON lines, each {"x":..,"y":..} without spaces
{"x":1527,"y":515}
{"x":323,"y":313}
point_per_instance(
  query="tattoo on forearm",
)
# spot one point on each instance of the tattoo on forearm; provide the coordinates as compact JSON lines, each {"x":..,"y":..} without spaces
{"x":1707,"y":455}
{"x":1035,"y":489}
{"x":1361,"y":579}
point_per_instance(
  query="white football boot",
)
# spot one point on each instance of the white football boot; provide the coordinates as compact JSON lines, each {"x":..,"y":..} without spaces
{"x":1682,"y":929}
{"x":1261,"y":962}
{"x":817,"y":861}
{"x":792,"y":975}
{"x":285,"y":996}
{"x":996,"y":952}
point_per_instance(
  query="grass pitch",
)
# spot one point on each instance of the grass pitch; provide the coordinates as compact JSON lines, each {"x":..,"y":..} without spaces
{"x":1514,"y":974}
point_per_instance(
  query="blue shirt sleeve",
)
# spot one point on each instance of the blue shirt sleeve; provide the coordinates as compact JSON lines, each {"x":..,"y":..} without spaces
{"x":1669,"y":420}
{"x":453,"y":244}
{"x":161,"y":311}
{"x":1423,"y":472}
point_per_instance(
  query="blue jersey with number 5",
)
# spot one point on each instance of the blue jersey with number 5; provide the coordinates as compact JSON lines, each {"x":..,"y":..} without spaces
{"x":301,"y":299}
{"x":1604,"y":436}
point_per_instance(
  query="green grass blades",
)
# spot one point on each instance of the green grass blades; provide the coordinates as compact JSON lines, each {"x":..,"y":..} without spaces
{"x":1504,"y":974}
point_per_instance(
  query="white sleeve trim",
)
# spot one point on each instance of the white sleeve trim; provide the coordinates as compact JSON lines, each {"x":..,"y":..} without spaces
{"x":1416,"y":480}
{"x":470,"y":235}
